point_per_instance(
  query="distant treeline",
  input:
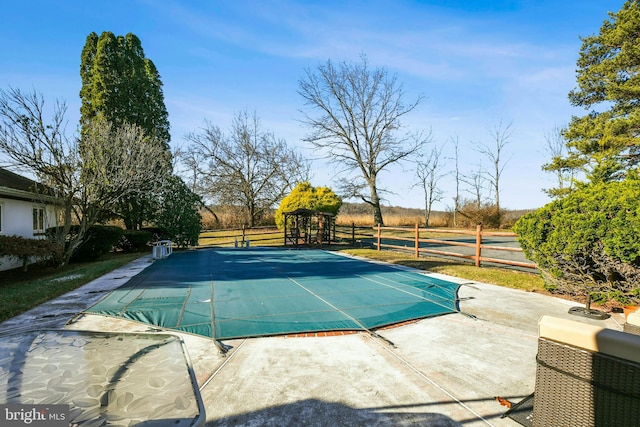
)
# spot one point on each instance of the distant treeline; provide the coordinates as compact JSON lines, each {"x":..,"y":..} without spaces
{"x":361,"y":214}
{"x":365,"y":209}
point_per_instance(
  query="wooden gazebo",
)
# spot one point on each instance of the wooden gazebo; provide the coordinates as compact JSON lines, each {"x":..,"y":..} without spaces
{"x":308,"y":227}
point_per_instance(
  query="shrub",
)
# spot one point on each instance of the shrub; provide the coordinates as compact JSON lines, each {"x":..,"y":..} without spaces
{"x":471,"y":214}
{"x":180,"y":217}
{"x":134,"y":240}
{"x":308,"y":197}
{"x":98,"y":241}
{"x":28,"y":250}
{"x":157,"y":233}
{"x":588,"y":241}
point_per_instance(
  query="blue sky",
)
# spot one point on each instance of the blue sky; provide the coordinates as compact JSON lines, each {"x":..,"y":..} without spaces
{"x":477,"y":63}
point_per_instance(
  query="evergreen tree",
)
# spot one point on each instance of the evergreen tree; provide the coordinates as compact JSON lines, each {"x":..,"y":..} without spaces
{"x":589,"y":240}
{"x":604,"y":143}
{"x":179,"y":216}
{"x":122,"y":86}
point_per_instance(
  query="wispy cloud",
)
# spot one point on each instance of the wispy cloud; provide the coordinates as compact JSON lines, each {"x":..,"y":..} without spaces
{"x":476,"y":62}
{"x":444,"y":48}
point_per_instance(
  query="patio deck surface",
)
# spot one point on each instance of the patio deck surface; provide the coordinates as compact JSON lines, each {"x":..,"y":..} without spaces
{"x":442,"y":371}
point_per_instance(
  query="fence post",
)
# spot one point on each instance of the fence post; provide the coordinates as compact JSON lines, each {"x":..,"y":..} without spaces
{"x":417,"y":254}
{"x":379,"y":237}
{"x":285,"y":231}
{"x":333,"y":228}
{"x":353,"y":234}
{"x":243,"y":233}
{"x":478,"y":244}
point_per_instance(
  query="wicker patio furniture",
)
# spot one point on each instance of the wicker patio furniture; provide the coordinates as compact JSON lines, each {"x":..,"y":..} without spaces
{"x":586,"y":376}
{"x":632,"y":324}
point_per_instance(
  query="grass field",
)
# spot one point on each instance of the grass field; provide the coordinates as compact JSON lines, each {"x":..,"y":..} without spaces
{"x":360,"y":214}
{"x":267,"y":236}
{"x":529,"y":282}
{"x":407,"y":220}
{"x":393,"y":217}
{"x":20,"y":291}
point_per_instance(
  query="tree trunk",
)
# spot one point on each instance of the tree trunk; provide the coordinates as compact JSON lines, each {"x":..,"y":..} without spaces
{"x":427,"y":211}
{"x":251,"y":211}
{"x":375,"y":204}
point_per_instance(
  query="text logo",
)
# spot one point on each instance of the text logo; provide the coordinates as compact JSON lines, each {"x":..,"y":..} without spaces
{"x":34,"y":415}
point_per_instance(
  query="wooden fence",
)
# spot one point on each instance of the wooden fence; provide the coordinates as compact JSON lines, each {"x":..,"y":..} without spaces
{"x":398,"y":238}
{"x":242,"y":237}
{"x":354,"y":235}
{"x":384,"y":235}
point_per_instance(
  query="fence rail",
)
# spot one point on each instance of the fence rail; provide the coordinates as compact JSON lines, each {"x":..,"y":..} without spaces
{"x":482,"y":247}
{"x":241,"y":236}
{"x":387,"y":236}
{"x":355,"y":235}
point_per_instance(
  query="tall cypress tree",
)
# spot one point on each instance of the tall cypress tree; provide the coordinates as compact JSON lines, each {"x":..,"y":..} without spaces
{"x":123,"y":86}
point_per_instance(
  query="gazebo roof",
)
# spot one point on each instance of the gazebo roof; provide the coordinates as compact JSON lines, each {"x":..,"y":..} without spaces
{"x":307,"y":212}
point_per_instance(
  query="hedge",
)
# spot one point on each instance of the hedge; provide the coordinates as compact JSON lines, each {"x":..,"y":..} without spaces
{"x":98,"y":241}
{"x":26,"y":250}
{"x":134,"y":240}
{"x":588,"y":241}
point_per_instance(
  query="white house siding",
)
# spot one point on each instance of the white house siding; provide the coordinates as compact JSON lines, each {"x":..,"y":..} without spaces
{"x":17,"y":220}
{"x":7,"y":263}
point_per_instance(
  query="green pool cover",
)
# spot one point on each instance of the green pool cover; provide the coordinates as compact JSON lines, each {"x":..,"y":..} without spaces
{"x":234,"y":293}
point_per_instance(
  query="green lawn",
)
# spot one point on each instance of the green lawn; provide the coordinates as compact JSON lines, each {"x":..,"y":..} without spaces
{"x":256,"y":237}
{"x":497,"y":276}
{"x":20,"y":291}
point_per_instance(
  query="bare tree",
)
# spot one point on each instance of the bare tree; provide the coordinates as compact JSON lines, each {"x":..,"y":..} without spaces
{"x":429,"y":173}
{"x":190,"y":159}
{"x":248,"y":168}
{"x":87,"y":180}
{"x":354,"y":118}
{"x":500,"y":135}
{"x":457,"y":178}
{"x":476,"y":181}
{"x":187,"y":158}
{"x":561,"y":164}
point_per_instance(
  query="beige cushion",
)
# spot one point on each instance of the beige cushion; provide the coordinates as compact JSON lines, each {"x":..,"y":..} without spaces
{"x":634,"y":318}
{"x":590,"y":337}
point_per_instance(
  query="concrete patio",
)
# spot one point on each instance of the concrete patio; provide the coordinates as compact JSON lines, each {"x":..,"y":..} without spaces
{"x":442,"y":371}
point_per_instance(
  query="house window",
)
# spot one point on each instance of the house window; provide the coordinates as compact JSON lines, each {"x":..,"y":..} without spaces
{"x":38,"y":220}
